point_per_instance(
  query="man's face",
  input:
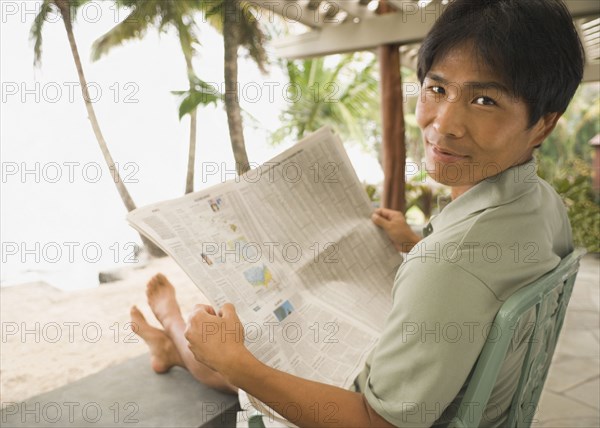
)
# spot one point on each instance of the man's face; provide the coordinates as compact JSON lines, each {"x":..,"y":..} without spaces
{"x":472,"y":127}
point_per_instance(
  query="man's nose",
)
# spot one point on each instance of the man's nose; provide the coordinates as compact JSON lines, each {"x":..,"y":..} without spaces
{"x":450,"y":118}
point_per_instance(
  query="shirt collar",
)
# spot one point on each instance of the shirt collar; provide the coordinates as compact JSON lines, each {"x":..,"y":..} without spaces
{"x":494,"y":191}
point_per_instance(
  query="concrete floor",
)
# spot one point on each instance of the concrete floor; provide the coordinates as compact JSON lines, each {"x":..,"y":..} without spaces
{"x":129,"y":395}
{"x":571,"y":396}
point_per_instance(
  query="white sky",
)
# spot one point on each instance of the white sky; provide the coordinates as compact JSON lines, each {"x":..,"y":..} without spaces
{"x":43,"y":120}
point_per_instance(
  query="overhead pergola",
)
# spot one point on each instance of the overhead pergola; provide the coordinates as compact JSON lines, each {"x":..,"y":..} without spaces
{"x":393,"y":28}
{"x":340,"y":26}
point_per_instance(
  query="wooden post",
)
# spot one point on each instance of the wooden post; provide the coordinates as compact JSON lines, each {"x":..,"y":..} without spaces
{"x":392,"y":112}
{"x":595,"y":143}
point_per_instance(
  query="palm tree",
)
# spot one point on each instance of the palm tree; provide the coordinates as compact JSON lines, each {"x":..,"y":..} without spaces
{"x":239,"y":28}
{"x":343,"y":95}
{"x":68,"y":10}
{"x":164,"y":14}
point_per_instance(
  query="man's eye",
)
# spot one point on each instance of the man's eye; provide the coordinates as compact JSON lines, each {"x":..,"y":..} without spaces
{"x":437,"y":90}
{"x":485,"y":101}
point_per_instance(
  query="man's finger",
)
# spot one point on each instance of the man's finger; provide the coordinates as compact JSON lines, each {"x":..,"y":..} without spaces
{"x":379,"y":220}
{"x":227,"y":310}
{"x":204,"y":308}
{"x":387,"y":213}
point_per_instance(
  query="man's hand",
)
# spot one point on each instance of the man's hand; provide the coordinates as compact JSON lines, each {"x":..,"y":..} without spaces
{"x":394,"y":224}
{"x":216,"y":340}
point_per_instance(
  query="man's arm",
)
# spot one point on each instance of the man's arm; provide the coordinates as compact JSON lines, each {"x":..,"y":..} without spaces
{"x":301,"y":401}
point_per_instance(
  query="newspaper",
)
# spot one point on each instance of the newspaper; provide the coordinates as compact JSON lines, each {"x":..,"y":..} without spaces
{"x":292,"y":246}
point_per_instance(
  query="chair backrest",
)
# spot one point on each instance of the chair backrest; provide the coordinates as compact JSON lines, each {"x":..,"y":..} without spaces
{"x":549,"y":316}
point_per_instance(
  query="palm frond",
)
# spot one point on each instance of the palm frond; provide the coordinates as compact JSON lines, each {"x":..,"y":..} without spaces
{"x":134,"y":26}
{"x":213,"y":13}
{"x":252,"y":36}
{"x":35,"y":34}
{"x":187,"y":37}
{"x":292,"y":70}
{"x":74,"y":6}
{"x":343,"y":95}
{"x":201,"y":94}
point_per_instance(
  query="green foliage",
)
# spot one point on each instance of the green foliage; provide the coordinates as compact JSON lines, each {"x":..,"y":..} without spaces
{"x":341,"y":92}
{"x":578,"y":125}
{"x":148,"y":14}
{"x":421,"y":197}
{"x":372,"y":193}
{"x":36,"y":30}
{"x":162,"y":15}
{"x":68,"y":11}
{"x":252,"y":37}
{"x":201,"y":93}
{"x":573,"y":183}
{"x":250,"y":34}
{"x":564,"y":160}
{"x":422,"y":194}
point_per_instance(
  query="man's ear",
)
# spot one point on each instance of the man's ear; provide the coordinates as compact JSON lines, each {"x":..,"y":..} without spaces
{"x":543,"y":128}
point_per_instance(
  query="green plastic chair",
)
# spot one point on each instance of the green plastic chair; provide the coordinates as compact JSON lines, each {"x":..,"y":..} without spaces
{"x":549,"y":316}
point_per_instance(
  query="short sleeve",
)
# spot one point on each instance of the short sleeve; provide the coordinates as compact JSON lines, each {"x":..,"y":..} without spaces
{"x":437,"y":327}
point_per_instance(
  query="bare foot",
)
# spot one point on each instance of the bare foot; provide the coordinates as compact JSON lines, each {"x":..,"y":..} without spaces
{"x":161,"y":298}
{"x":163,"y":351}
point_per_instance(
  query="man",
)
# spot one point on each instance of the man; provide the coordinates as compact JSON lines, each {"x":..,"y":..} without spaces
{"x":496,"y":76}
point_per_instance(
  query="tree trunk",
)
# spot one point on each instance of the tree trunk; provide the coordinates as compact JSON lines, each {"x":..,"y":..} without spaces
{"x":231,"y":22}
{"x":65,"y":11}
{"x":394,"y":149}
{"x":189,"y":182}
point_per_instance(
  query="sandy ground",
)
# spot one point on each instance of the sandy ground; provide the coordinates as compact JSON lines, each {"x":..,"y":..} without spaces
{"x":52,"y":337}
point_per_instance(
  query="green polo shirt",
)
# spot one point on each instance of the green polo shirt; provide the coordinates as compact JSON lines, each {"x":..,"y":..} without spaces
{"x":499,"y":236}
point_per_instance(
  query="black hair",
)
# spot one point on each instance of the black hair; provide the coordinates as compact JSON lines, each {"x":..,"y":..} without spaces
{"x":532,"y":45}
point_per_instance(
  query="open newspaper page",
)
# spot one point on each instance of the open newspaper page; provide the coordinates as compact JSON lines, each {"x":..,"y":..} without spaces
{"x":310,"y":202}
{"x":291,"y":245}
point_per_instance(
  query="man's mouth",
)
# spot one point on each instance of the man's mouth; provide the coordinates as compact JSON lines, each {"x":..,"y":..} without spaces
{"x":446,"y":152}
{"x":445,"y":155}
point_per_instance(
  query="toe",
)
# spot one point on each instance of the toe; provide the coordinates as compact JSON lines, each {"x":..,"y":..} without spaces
{"x":136,"y":314}
{"x":151,"y":286}
{"x":138,"y":322}
{"x":163,"y":282}
{"x":160,"y":279}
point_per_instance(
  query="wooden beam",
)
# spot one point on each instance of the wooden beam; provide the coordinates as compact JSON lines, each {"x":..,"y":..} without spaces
{"x":291,"y":10}
{"x":355,"y":9}
{"x":576,"y":7}
{"x":579,"y":8}
{"x":393,"y":28}
{"x":409,"y":26}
